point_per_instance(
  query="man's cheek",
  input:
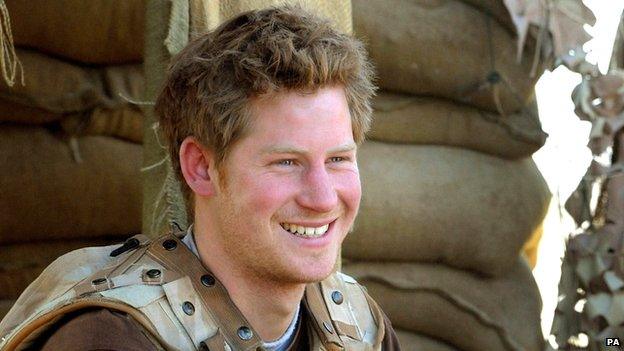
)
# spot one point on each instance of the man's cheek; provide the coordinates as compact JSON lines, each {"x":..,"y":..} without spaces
{"x":350,"y":190}
{"x":269,"y":194}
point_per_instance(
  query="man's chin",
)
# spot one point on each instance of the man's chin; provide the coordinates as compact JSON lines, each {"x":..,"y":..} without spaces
{"x":315,"y":272}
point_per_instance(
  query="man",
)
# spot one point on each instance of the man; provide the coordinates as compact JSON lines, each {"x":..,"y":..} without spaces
{"x":262,"y":117}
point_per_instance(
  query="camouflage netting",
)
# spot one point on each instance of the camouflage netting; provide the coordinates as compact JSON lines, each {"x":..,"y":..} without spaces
{"x":591,"y":289}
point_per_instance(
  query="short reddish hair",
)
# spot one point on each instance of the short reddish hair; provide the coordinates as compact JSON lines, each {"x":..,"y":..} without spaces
{"x":210,"y":83}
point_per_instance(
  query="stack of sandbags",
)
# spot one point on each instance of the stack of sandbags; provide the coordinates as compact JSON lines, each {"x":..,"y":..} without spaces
{"x":446,"y":49}
{"x":456,"y":309}
{"x":450,"y":192}
{"x":81,"y":65}
{"x":69,"y":137}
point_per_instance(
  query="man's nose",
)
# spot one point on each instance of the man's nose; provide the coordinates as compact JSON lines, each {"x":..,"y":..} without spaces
{"x":318,"y":193}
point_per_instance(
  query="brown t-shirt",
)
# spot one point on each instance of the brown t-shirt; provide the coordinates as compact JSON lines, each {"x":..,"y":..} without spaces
{"x":101,"y":329}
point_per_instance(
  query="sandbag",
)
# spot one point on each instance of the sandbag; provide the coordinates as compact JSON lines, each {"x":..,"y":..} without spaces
{"x":60,"y":87}
{"x":441,"y":48}
{"x":125,"y":123}
{"x":20,"y":264}
{"x":496,"y":9}
{"x":464,"y":310}
{"x":417,"y":342}
{"x":47,"y":195}
{"x":424,"y":120}
{"x":5,"y":306}
{"x":208,"y":14}
{"x":94,"y":31}
{"x":15,"y":112}
{"x":447,"y":205}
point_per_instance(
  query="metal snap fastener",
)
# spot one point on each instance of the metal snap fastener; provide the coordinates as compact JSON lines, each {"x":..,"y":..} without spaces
{"x":169,"y":244}
{"x":207,"y":280}
{"x":328,"y":327}
{"x":337,"y":297}
{"x":153,"y":273}
{"x":493,"y":77}
{"x":98,"y":281}
{"x":188,"y":308}
{"x":245,"y":333}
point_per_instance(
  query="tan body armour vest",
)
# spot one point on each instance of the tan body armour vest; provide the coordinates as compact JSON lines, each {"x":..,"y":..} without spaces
{"x":181,"y":305}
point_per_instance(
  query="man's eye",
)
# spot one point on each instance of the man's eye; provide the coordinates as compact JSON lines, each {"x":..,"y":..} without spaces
{"x":285,"y":162}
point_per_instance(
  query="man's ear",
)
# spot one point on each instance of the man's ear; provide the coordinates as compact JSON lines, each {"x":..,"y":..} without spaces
{"x":197,"y":163}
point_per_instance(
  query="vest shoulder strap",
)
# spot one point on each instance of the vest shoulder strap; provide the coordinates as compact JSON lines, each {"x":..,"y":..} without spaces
{"x":198,"y":299}
{"x":343,"y":314}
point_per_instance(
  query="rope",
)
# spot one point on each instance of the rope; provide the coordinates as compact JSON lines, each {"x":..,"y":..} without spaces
{"x":488,"y":26}
{"x":9,"y":62}
{"x":75,"y":149}
{"x":135,"y":102}
{"x":540,"y":39}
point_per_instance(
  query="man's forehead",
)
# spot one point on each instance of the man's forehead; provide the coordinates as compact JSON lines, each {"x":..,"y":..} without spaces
{"x":297,"y":97}
{"x":285,"y":148}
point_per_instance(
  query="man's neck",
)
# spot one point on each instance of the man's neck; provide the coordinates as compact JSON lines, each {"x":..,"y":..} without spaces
{"x":269,"y":307}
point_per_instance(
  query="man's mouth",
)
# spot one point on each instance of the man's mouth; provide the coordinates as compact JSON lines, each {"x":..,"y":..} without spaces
{"x":305,"y":232}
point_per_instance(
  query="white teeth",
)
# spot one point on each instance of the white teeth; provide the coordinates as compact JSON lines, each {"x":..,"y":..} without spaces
{"x":307,"y":232}
{"x":321,"y":230}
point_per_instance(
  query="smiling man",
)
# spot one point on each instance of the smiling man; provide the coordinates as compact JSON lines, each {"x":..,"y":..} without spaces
{"x":274,"y":219}
{"x":262,"y":117}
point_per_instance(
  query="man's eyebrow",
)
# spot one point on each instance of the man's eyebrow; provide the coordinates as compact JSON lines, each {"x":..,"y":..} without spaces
{"x":343,"y":148}
{"x":289,"y":149}
{"x":282,"y":149}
